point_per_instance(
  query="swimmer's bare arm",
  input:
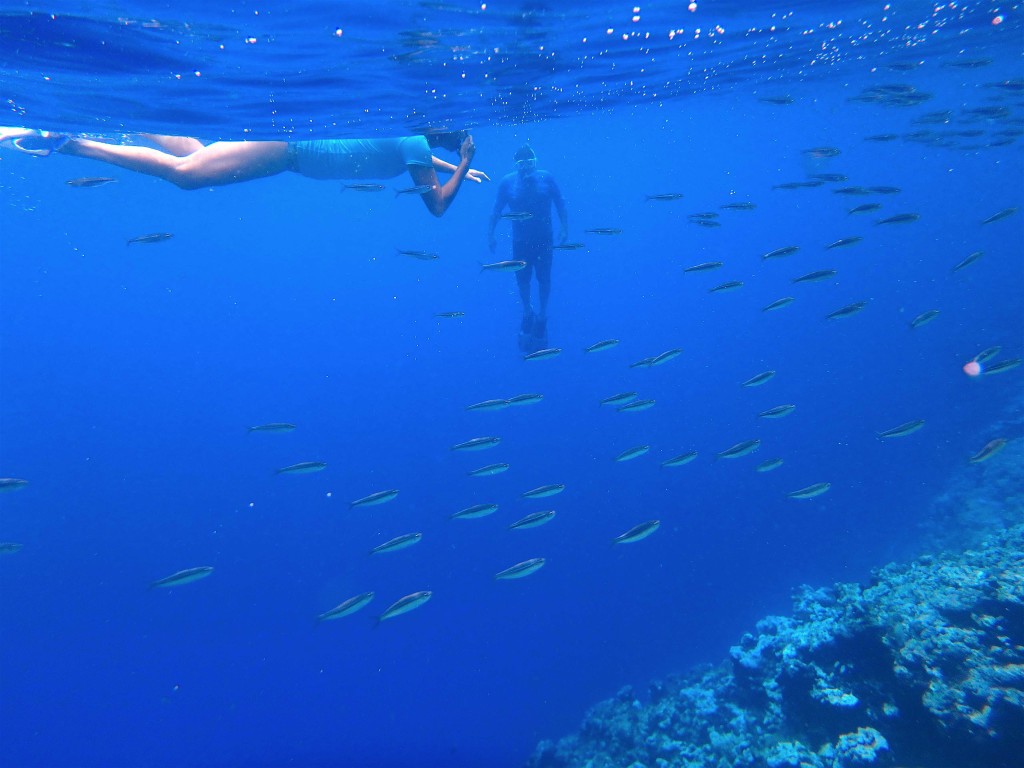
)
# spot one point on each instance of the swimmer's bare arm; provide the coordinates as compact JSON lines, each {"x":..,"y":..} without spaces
{"x":440,"y":197}
{"x":563,"y":215}
{"x":472,"y":174}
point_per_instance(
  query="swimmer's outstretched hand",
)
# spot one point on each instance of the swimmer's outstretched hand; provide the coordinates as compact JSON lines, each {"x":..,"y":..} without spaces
{"x":478,"y":176}
{"x":468,"y":148}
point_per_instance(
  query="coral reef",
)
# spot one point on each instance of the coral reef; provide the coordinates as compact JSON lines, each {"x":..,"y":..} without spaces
{"x":924,"y":667}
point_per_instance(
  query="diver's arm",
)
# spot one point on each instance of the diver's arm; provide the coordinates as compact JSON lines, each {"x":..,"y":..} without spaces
{"x":563,"y":214}
{"x":472,"y":174}
{"x":499,"y":205}
{"x":440,"y":197}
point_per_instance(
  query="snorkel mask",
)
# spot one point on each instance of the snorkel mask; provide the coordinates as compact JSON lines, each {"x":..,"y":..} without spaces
{"x":526,"y":160}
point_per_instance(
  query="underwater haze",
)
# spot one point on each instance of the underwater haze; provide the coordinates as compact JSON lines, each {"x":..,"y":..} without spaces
{"x":131,"y":374}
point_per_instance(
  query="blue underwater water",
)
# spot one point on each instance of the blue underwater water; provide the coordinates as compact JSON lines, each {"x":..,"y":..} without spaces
{"x":130,"y":374}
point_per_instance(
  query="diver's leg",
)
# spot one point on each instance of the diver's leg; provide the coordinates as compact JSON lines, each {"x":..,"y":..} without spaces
{"x":225,"y":162}
{"x":179,"y":146}
{"x":523,"y":279}
{"x":543,"y":265}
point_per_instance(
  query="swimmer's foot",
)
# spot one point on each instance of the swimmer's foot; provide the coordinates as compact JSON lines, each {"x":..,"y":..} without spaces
{"x":32,"y":142}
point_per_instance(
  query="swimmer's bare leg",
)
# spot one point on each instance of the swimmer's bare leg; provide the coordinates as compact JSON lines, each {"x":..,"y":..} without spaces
{"x":523,"y":281}
{"x":179,"y":146}
{"x":224,"y":162}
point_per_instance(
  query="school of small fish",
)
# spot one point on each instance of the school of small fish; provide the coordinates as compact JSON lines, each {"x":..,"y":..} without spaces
{"x":632,"y":402}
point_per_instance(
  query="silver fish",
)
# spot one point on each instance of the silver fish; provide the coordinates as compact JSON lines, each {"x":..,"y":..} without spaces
{"x":769,"y":465}
{"x":777,"y":412}
{"x":489,"y":470}
{"x":602,"y":345}
{"x":303,"y":468}
{"x":543,"y":354}
{"x":503,"y":266}
{"x":968,"y":260}
{"x":1003,"y":366}
{"x":183,"y":577}
{"x":87,"y":182}
{"x":399,"y":542}
{"x":732,"y":285}
{"x":811,"y":491}
{"x":533,"y":520}
{"x":778,"y":304}
{"x":373,"y":499}
{"x":788,"y":250}
{"x":543,"y":491}
{"x":815,"y":277}
{"x":277,"y":426}
{"x":348,"y":607}
{"x":471,"y":513}
{"x":740,"y":449}
{"x":477,"y":444}
{"x":902,"y":430}
{"x":619,"y":399}
{"x":738,"y":206}
{"x":449,"y":314}
{"x":9,"y":547}
{"x":1001,"y":215}
{"x":647,"y":362}
{"x":707,"y":266}
{"x":12,"y":483}
{"x":419,"y":189}
{"x":820,"y":153}
{"x":519,"y":570}
{"x":798,"y":184}
{"x":866,"y":208}
{"x":991,"y":449}
{"x":924,"y":317}
{"x":517,"y":216}
{"x":636,"y":406}
{"x":156,"y":237}
{"x":847,"y":311}
{"x":604,"y":231}
{"x":530,"y":398}
{"x":680,"y":460}
{"x":759,"y":379}
{"x":489,"y":405}
{"x":364,"y":187}
{"x":633,"y":453}
{"x":664,"y":357}
{"x":665,"y":197}
{"x":900,"y":218}
{"x":987,"y":354}
{"x":421,"y":255}
{"x":405,"y":604}
{"x":844,"y":242}
{"x":637,"y":532}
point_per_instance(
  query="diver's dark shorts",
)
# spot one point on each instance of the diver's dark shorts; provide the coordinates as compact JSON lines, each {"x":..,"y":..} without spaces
{"x":537,"y":256}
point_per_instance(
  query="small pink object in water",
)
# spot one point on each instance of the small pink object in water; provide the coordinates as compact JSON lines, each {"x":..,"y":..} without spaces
{"x":973,"y":368}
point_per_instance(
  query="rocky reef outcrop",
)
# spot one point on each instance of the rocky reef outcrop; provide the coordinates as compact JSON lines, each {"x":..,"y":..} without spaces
{"x":923,"y":667}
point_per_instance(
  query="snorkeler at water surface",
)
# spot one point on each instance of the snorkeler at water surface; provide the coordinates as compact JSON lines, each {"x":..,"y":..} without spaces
{"x":190,"y":164}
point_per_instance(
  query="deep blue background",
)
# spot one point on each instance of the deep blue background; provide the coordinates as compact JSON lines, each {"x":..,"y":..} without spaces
{"x":130,"y":374}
